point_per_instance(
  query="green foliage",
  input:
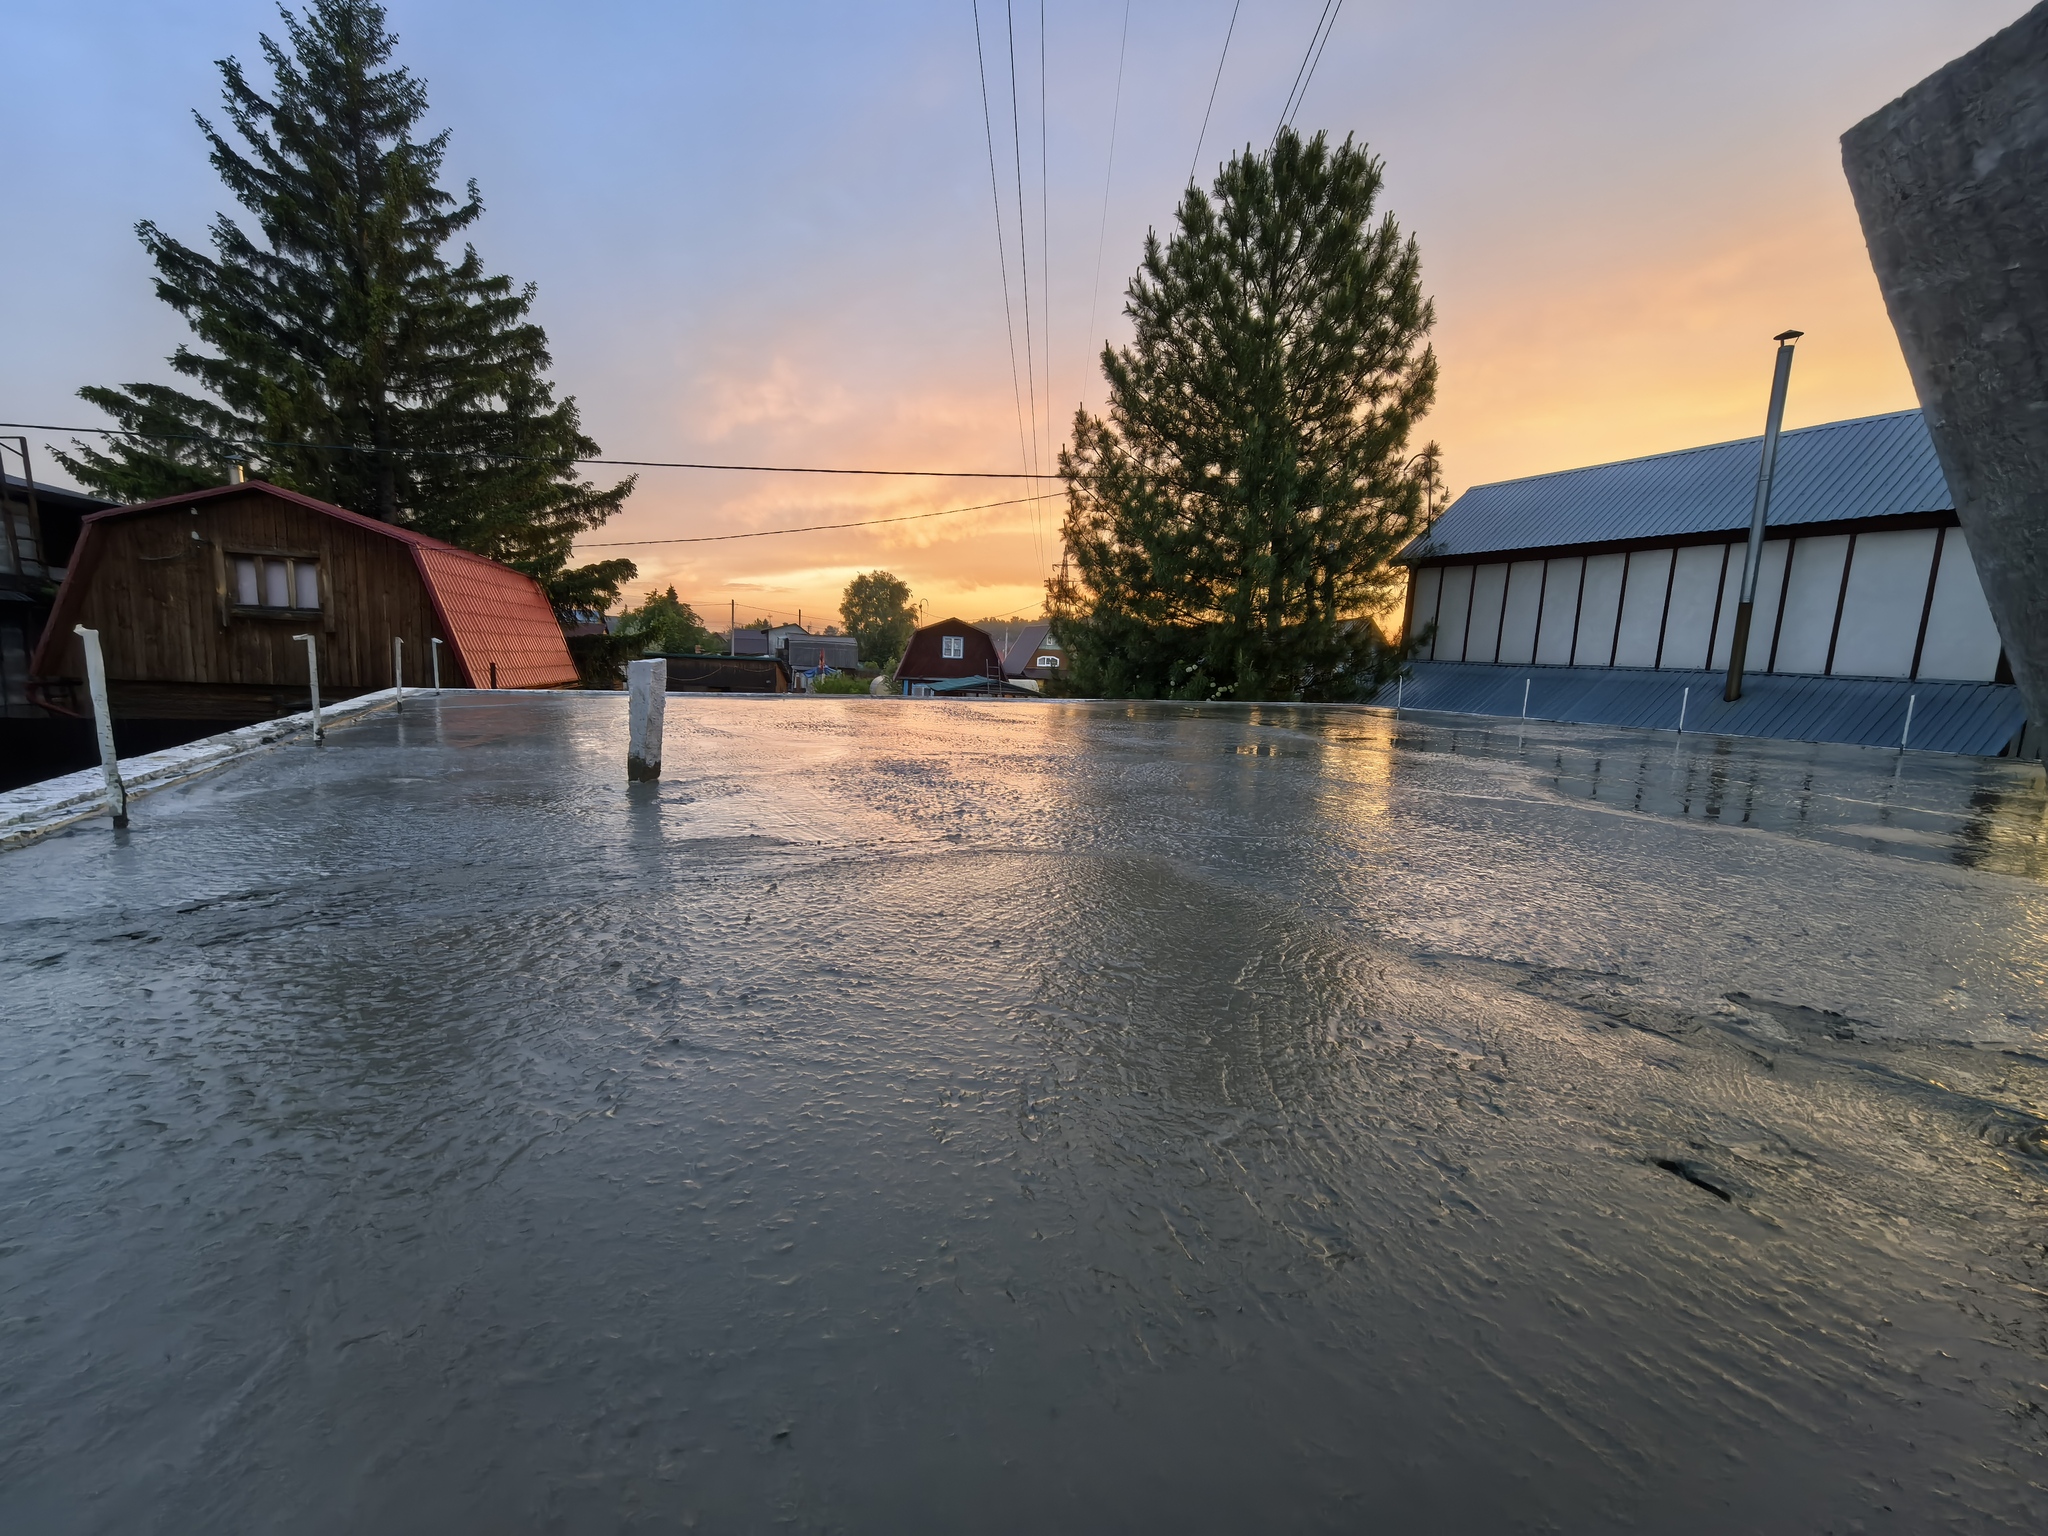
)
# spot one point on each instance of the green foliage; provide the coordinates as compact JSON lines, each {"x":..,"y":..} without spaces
{"x":601,"y":659}
{"x":875,"y":608}
{"x":345,"y":325}
{"x":1230,"y":522}
{"x":664,"y":624}
{"x":839,"y":682}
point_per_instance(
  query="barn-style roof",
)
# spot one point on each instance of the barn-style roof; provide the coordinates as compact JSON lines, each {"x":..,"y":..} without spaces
{"x":924,"y":661}
{"x":1874,"y":466}
{"x":489,"y":612}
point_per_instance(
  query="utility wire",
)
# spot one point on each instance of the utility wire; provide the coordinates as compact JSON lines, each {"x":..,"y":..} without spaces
{"x":1002,"y":251}
{"x":517,"y":458}
{"x":1309,"y":61}
{"x":1212,"y":91}
{"x":1109,"y":171}
{"x":1023,"y":249}
{"x":1287,"y":107}
{"x":769,"y":533}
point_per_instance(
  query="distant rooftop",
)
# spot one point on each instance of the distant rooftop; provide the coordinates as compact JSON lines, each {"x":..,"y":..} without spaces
{"x":1874,"y":466}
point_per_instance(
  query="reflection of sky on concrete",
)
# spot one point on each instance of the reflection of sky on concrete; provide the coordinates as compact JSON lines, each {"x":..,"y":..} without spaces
{"x":1257,"y":1115}
{"x":765,"y":234}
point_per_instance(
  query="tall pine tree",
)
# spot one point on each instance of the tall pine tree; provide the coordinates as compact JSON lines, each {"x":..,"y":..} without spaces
{"x":1230,"y":522}
{"x":343,"y":354}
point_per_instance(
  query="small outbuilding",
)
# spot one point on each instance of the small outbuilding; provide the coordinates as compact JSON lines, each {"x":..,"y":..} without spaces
{"x":701,"y":673}
{"x":197,"y":599}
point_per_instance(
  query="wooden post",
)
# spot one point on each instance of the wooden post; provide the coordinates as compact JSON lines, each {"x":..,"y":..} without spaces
{"x":646,"y":698}
{"x":313,"y":677}
{"x":103,"y":718}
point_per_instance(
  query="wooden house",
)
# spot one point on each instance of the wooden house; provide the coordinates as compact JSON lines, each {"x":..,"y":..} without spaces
{"x":197,"y":599}
{"x":955,"y":659}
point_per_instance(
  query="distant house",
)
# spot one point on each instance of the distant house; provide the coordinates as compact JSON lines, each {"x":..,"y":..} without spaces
{"x":751,"y":642}
{"x":1034,"y":656}
{"x":197,"y":598}
{"x":955,"y":658}
{"x":804,"y":653}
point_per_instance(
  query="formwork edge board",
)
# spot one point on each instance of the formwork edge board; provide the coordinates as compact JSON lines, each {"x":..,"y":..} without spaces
{"x":35,"y":810}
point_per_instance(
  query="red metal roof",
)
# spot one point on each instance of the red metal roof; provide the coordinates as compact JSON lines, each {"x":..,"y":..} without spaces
{"x":494,"y":614}
{"x":488,"y":612}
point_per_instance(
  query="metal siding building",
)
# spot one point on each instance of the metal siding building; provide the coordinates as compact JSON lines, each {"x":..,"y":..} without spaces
{"x":1631,"y":570}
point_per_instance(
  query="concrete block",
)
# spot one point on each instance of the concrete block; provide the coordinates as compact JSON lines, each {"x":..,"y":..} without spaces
{"x":1951,"y":183}
{"x":646,"y":698}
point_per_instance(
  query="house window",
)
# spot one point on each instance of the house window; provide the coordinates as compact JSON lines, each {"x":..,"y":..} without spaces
{"x":1048,"y":661}
{"x":953,"y":647}
{"x":277,"y":583}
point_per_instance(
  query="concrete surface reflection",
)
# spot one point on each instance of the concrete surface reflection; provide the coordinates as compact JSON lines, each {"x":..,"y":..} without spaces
{"x":948,"y":1116}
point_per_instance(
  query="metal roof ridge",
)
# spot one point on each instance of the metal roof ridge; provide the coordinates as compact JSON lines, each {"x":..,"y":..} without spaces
{"x":1679,"y":453}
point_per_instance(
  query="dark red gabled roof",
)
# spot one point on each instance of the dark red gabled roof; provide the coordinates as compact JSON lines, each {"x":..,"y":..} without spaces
{"x":923,"y":661}
{"x":488,"y":611}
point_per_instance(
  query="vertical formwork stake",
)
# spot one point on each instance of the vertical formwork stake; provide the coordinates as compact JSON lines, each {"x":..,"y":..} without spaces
{"x":646,"y":698}
{"x":313,"y":677}
{"x":398,"y":670}
{"x":1684,"y":699}
{"x":436,"y":654}
{"x":1907,"y":734}
{"x":1525,"y":696}
{"x":103,"y":720}
{"x":1400,"y":693}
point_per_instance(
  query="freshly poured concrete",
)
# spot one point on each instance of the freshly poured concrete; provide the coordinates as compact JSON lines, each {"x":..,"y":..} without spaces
{"x":1028,"y":1117}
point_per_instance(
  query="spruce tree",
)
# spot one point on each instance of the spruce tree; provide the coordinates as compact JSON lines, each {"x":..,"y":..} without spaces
{"x":342,"y":353}
{"x":1230,"y":521}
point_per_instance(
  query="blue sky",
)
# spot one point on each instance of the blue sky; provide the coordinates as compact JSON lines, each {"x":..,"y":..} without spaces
{"x":765,"y":233}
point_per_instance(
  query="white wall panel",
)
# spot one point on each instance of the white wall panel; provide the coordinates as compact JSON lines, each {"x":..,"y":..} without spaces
{"x":1518,"y":615}
{"x":1457,"y":605}
{"x":1428,"y":584}
{"x":1689,"y":625}
{"x":1642,"y":608}
{"x":1770,"y":580}
{"x":1881,"y":612}
{"x":1489,"y":591}
{"x":1812,"y":589}
{"x":1962,"y":642}
{"x":1598,"y":609}
{"x":1560,"y":609}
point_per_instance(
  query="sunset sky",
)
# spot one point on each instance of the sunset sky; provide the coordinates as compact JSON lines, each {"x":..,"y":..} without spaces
{"x":765,"y":234}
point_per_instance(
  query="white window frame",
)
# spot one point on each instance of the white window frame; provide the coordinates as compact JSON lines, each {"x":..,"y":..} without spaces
{"x":953,"y":647}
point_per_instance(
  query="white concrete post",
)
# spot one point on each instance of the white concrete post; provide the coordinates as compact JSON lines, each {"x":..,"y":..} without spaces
{"x":313,"y":677}
{"x":1907,"y":734}
{"x":398,"y":670}
{"x":1683,"y":700}
{"x":103,"y":719}
{"x":646,"y":698}
{"x":436,"y":654}
{"x":1525,"y":696}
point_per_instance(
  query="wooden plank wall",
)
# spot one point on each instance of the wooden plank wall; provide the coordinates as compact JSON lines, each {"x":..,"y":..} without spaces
{"x":153,"y":593}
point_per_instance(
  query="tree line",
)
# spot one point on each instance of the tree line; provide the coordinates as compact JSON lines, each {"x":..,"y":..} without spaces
{"x":1231,"y":516}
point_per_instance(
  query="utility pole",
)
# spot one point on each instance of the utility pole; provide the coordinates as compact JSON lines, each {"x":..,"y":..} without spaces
{"x":1738,"y":652}
{"x":732,"y":625}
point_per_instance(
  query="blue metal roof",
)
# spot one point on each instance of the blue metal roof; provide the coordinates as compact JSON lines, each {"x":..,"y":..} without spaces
{"x":1979,"y":719}
{"x":1875,"y":466}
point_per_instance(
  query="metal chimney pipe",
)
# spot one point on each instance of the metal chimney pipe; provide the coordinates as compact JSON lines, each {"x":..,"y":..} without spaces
{"x":1738,"y":652}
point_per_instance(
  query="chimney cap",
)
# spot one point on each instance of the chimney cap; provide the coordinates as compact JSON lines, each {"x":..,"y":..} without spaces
{"x":1784,"y":336}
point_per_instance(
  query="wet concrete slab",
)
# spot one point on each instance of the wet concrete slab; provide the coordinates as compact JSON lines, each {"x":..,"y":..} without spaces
{"x":915,"y":1116}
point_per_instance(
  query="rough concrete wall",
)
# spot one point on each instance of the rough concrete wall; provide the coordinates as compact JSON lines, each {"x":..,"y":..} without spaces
{"x":1951,"y":182}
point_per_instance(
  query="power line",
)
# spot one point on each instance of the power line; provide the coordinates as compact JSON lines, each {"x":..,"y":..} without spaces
{"x":1023,"y":248}
{"x":769,"y":533}
{"x":1294,"y":90}
{"x":518,"y":458}
{"x":1212,"y":91}
{"x":1332,"y":7}
{"x":1002,"y":251}
{"x":1102,"y":234}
